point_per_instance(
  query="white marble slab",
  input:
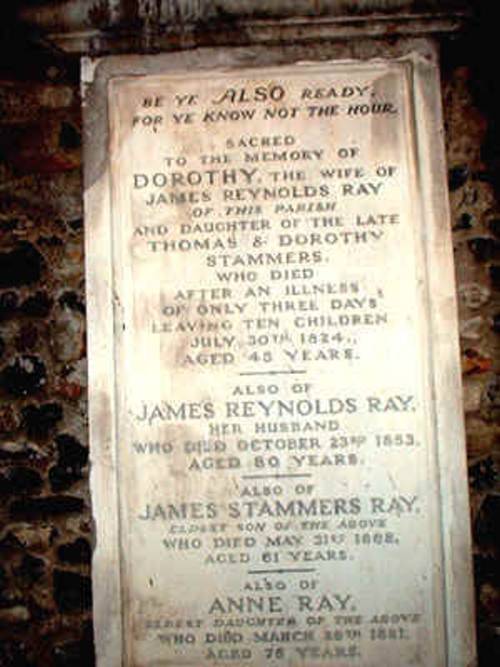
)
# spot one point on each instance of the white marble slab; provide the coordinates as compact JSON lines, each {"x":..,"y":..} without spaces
{"x":278,"y":467}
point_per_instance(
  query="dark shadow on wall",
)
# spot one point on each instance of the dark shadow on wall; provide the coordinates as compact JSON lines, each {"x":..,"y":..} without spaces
{"x":473,"y":58}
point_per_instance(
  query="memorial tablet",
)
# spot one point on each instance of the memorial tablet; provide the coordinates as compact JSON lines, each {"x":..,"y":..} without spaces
{"x":278,"y":469}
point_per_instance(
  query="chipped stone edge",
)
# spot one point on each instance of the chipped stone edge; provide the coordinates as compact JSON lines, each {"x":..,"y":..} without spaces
{"x":106,"y":578}
{"x":104,"y":318}
{"x":445,"y":367}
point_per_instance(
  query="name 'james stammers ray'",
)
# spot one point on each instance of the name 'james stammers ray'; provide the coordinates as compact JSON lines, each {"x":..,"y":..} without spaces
{"x":296,"y":507}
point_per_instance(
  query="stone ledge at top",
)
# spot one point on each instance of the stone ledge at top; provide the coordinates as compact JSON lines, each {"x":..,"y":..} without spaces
{"x":97,"y":27}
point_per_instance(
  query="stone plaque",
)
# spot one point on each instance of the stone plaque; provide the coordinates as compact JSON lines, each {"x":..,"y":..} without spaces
{"x":278,"y":466}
